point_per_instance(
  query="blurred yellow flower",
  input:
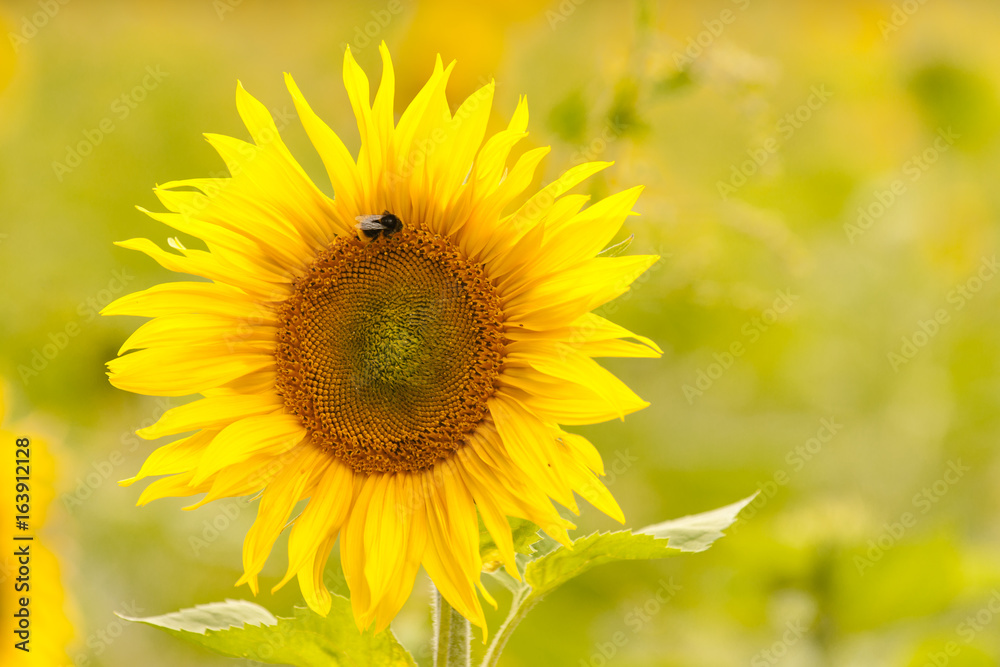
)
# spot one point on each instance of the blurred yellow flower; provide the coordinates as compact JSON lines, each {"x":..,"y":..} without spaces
{"x":402,"y":355}
{"x":34,"y":625}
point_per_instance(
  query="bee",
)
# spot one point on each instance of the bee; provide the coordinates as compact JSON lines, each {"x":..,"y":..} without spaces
{"x":372,"y":225}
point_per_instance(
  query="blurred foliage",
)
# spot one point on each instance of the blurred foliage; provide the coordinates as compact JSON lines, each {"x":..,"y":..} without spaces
{"x":822,"y":117}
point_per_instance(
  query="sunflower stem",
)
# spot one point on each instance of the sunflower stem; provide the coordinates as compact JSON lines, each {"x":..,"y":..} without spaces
{"x":452,"y":635}
{"x":518,"y":610}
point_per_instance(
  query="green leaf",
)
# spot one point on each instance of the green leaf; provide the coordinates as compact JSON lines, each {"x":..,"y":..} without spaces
{"x":688,"y":534}
{"x":213,"y":616}
{"x":242,"y":629}
{"x":697,"y":532}
{"x":524,"y":532}
{"x":547,"y":572}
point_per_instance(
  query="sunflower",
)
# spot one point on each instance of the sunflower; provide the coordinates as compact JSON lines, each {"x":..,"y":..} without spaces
{"x":401,"y":355}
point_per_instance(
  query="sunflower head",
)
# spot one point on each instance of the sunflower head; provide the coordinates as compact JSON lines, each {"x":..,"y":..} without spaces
{"x":403,"y":355}
{"x":389,"y":351}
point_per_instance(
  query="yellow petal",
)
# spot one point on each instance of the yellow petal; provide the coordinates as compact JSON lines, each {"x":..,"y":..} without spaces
{"x":179,"y":456}
{"x":179,"y":371}
{"x":352,"y":552}
{"x":239,"y":335}
{"x":486,"y":242}
{"x":187,"y":298}
{"x":446,"y":562}
{"x":283,"y":492}
{"x":395,"y":544}
{"x":276,"y":263}
{"x":214,"y":411}
{"x":567,"y":243}
{"x":512,"y":493}
{"x":560,"y":401}
{"x":451,"y":160}
{"x":492,"y":160}
{"x":539,"y":204}
{"x":594,"y":336}
{"x":323,"y":516}
{"x":340,"y":166}
{"x":311,"y":578}
{"x":583,"y":450}
{"x":199,"y":263}
{"x":566,"y":363}
{"x":522,"y":434}
{"x":174,"y":486}
{"x":274,"y":433}
{"x":564,"y":297}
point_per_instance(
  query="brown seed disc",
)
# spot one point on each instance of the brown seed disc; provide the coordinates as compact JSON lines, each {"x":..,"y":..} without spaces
{"x":389,"y":350}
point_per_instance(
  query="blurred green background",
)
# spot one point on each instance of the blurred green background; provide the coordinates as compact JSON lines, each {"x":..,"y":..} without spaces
{"x":820,"y":181}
